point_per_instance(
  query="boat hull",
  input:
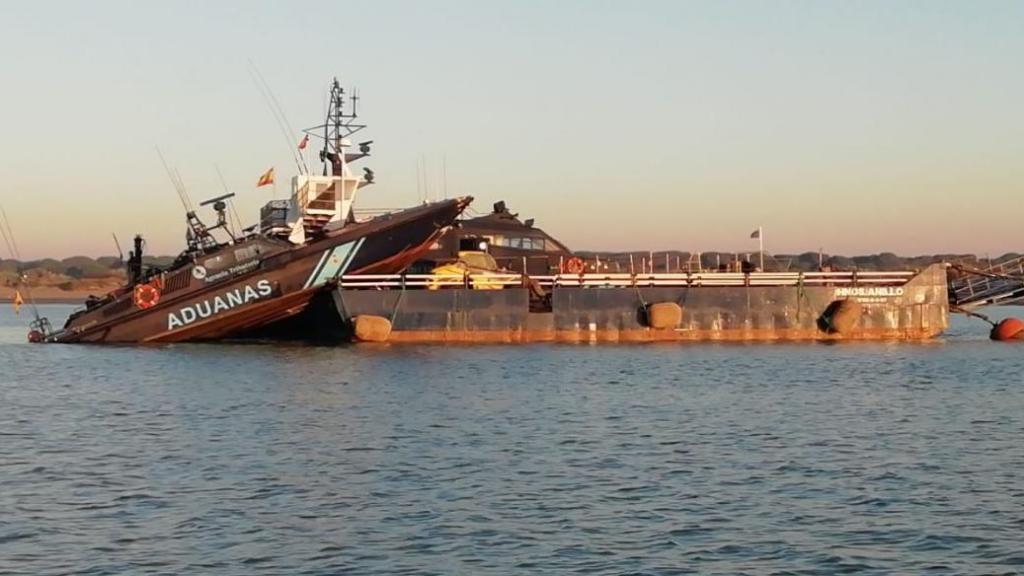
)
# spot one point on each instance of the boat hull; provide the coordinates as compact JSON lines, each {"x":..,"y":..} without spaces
{"x":266,"y":289}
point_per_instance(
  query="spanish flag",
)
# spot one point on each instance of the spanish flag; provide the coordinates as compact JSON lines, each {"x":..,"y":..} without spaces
{"x":267,"y":178}
{"x":17,"y":302}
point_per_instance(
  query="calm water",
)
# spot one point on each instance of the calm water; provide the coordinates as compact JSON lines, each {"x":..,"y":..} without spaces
{"x":674,"y":459}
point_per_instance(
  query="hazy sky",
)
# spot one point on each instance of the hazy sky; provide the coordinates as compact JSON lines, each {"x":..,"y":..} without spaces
{"x":854,"y":127}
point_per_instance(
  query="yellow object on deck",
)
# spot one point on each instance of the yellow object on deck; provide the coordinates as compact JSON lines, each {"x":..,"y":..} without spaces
{"x":477,"y":270}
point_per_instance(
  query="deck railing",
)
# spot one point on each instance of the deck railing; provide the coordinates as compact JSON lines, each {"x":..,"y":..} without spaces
{"x":974,"y":287}
{"x":478,"y":280}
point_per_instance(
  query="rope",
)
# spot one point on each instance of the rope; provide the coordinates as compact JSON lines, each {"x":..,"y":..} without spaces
{"x":972,"y":314}
{"x":801,"y":295}
{"x":398,"y":303}
{"x":639,"y":295}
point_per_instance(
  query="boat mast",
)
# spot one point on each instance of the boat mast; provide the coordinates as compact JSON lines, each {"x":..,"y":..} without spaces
{"x":326,"y":200}
{"x":337,"y":127}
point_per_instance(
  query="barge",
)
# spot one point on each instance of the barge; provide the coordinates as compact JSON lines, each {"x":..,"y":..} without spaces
{"x":707,"y":306}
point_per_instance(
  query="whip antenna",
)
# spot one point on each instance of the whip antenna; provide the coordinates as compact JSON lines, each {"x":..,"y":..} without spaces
{"x":120,"y":254}
{"x":275,"y":109}
{"x":7,"y":241}
{"x":12,"y":243}
{"x":184,"y":191}
{"x":176,"y":182}
{"x":12,"y":246}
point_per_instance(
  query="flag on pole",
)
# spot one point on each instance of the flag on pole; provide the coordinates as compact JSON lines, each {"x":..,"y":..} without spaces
{"x":304,"y":141}
{"x":759,"y":235}
{"x":266,"y":178}
{"x":17,"y":302}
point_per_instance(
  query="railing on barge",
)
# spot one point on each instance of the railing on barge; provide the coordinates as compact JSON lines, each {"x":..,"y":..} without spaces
{"x":479,"y":281}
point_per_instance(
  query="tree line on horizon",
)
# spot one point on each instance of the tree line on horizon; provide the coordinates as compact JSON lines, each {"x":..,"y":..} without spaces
{"x":804,"y":262}
{"x":75,"y":267}
{"x":84,"y":267}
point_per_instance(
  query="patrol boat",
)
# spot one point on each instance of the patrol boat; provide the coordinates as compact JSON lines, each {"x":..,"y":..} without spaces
{"x":226,"y":287}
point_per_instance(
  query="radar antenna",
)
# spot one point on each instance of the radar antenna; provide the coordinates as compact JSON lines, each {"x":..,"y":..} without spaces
{"x":338,"y":126}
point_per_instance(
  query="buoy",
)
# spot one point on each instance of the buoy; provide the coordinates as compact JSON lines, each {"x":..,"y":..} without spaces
{"x":146,"y":296}
{"x":840,"y":317}
{"x":1008,"y":329}
{"x":35,"y":336}
{"x":371,"y":328}
{"x":662,"y":315}
{"x":575,"y":265}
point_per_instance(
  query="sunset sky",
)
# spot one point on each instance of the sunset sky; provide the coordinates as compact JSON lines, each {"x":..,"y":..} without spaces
{"x":855,"y":127}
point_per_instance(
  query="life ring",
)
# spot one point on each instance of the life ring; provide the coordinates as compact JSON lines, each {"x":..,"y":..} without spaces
{"x":146,"y":296}
{"x":575,"y":265}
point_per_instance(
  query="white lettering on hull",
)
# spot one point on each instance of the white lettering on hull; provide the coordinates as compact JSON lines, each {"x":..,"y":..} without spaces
{"x":219,"y":303}
{"x":870,"y":292}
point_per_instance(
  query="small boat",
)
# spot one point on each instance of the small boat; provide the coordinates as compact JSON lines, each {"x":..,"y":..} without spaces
{"x":228,"y":286}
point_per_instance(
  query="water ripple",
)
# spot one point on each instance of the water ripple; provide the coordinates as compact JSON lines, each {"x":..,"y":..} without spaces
{"x":698,"y":459}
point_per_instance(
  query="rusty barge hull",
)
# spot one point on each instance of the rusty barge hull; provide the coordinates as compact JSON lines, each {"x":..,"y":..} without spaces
{"x":916,"y":310}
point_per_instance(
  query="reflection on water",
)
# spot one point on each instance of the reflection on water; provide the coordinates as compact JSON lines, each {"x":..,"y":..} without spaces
{"x":656,"y":459}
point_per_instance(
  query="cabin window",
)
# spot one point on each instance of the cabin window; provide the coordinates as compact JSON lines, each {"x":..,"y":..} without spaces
{"x":248,"y":252}
{"x":554,"y":246}
{"x":218,"y":262}
{"x":522,"y":243}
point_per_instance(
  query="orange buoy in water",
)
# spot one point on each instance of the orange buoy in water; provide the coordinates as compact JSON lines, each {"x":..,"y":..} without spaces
{"x":1008,"y":329}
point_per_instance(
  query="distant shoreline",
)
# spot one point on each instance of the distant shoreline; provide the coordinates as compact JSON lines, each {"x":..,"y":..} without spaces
{"x":46,"y":301}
